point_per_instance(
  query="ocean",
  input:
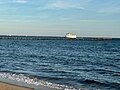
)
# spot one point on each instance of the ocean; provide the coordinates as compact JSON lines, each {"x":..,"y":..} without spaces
{"x":62,"y":63}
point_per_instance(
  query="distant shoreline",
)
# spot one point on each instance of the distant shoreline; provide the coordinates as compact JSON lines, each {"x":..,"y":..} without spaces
{"x":15,"y":37}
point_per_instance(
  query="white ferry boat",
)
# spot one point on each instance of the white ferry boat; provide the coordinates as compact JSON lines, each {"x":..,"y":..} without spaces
{"x":71,"y":35}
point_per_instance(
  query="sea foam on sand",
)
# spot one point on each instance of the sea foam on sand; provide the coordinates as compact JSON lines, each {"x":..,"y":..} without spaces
{"x":33,"y":81}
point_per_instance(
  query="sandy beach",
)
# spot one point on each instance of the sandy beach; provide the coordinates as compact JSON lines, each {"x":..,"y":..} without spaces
{"x":8,"y":86}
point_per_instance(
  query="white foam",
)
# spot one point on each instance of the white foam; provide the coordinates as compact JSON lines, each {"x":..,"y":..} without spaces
{"x":34,"y":81}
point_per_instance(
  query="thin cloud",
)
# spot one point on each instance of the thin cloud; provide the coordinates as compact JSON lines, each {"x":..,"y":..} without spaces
{"x":21,"y":1}
{"x":62,"y":4}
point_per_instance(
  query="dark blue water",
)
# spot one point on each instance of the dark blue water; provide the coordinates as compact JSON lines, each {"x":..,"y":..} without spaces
{"x":78,"y":63}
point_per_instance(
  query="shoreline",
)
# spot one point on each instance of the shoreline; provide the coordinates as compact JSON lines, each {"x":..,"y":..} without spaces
{"x":17,"y":37}
{"x":6,"y":84}
{"x":9,"y":86}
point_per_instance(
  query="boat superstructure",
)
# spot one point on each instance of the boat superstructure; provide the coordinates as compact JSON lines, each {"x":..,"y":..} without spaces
{"x":71,"y":35}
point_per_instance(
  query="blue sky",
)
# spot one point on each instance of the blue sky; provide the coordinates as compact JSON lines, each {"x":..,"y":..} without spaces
{"x":99,"y":18}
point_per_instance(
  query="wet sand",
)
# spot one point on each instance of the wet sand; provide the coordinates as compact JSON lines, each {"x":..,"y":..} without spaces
{"x":8,"y":86}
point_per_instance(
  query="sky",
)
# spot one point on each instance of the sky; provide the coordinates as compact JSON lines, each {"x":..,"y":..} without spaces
{"x":86,"y":18}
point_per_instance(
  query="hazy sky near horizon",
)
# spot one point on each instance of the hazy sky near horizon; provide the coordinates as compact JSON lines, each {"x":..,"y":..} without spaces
{"x":57,"y":17}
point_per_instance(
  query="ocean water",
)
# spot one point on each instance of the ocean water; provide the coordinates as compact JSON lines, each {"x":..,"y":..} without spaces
{"x":70,"y":64}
